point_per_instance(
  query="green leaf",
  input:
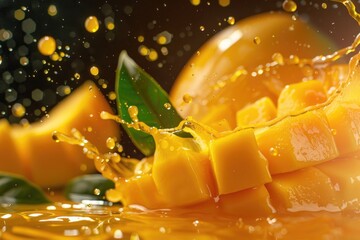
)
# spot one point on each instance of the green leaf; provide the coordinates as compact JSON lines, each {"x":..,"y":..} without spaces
{"x":88,"y":187}
{"x":134,"y":87}
{"x":15,"y":189}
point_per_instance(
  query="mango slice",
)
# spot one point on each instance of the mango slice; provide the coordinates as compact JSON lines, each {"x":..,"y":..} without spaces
{"x":297,"y":142}
{"x":345,"y":177}
{"x":51,"y":164}
{"x":344,"y":121}
{"x":260,"y":111}
{"x":307,"y":189}
{"x":9,"y":159}
{"x":297,"y":96}
{"x":182,"y":175}
{"x":237,"y":162}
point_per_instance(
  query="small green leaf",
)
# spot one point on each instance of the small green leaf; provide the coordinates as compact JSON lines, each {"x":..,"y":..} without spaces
{"x":15,"y":189}
{"x":88,"y":187}
{"x":134,"y":87}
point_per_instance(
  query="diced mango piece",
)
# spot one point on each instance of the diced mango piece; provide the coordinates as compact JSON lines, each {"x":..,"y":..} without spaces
{"x":237,"y":162}
{"x":260,"y":111}
{"x":253,"y":202}
{"x":182,"y":175}
{"x":334,"y":76}
{"x":307,"y":189}
{"x":9,"y":160}
{"x":345,"y":176}
{"x":141,"y":190}
{"x":221,"y":126}
{"x":297,"y":142}
{"x":344,"y":121}
{"x":297,"y":96}
{"x":222,"y":111}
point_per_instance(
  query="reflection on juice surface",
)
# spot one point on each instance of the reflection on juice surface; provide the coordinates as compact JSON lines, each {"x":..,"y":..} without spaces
{"x":77,"y":221}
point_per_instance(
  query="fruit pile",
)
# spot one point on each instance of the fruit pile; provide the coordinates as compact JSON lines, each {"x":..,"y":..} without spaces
{"x":283,"y":138}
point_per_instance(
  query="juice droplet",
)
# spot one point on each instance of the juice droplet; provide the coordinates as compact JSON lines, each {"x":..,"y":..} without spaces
{"x":167,"y":106}
{"x":110,"y":143}
{"x":92,"y":24}
{"x":187,"y":98}
{"x":113,"y":195}
{"x":133,"y":112}
{"x":77,"y":76}
{"x":97,"y":191}
{"x":257,"y":40}
{"x":18,"y":110}
{"x":231,"y":20}
{"x":47,"y":45}
{"x":289,"y":6}
{"x":224,"y":3}
{"x":112,"y":95}
{"x":52,"y":10}
{"x":153,"y":55}
{"x":202,"y":28}
{"x":333,"y":131}
{"x":143,"y":50}
{"x":278,"y":58}
{"x":195,"y":2}
{"x":23,"y":61}
{"x":94,"y":71}
{"x":273,"y":152}
{"x":161,"y":40}
{"x":141,"y":38}
{"x":324,"y":5}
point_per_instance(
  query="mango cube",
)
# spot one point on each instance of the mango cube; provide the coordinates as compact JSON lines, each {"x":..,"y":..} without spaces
{"x":344,"y":121}
{"x":345,"y":176}
{"x":253,"y":202}
{"x":295,"y":97}
{"x":297,"y":142}
{"x":182,"y":175}
{"x":237,"y":162}
{"x":307,"y":189}
{"x":260,"y":111}
{"x":141,"y":190}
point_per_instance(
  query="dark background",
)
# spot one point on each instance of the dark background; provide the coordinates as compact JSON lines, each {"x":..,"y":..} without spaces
{"x":101,"y":49}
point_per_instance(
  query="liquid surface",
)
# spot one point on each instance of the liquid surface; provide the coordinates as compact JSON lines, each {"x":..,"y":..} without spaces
{"x":76,"y":221}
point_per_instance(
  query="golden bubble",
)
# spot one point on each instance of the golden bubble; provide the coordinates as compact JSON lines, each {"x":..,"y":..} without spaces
{"x":224,"y":3}
{"x":202,"y":28}
{"x":18,"y":110}
{"x":77,"y":76}
{"x":19,"y":14}
{"x":52,"y":10}
{"x":167,"y":106}
{"x":110,"y":143}
{"x":66,"y":90}
{"x":273,"y":152}
{"x":143,"y":50}
{"x":94,"y":71}
{"x":24,"y":61}
{"x":231,"y":20}
{"x":97,"y":191}
{"x":257,"y":40}
{"x":55,"y":56}
{"x":324,"y":5}
{"x":110,"y":26}
{"x":289,"y":6}
{"x":141,"y":38}
{"x":195,"y":2}
{"x":187,"y":98}
{"x":92,"y":24}
{"x":161,"y":40}
{"x":47,"y":45}
{"x":112,"y":95}
{"x":153,"y":55}
{"x":278,"y":58}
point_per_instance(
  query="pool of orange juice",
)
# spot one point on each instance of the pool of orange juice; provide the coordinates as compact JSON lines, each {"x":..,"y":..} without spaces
{"x":68,"y":220}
